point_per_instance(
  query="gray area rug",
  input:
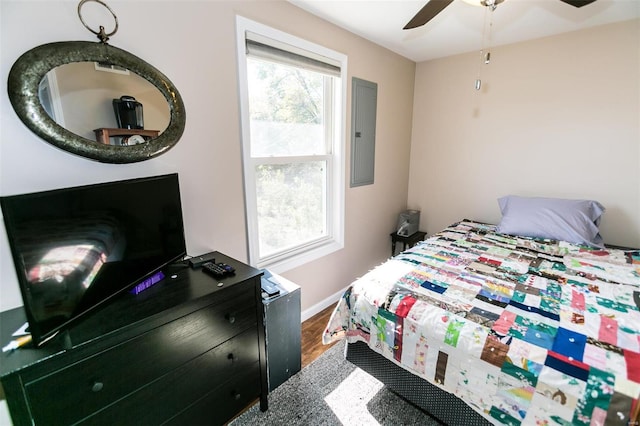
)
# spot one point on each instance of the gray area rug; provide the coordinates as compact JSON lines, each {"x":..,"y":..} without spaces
{"x":332,"y":391}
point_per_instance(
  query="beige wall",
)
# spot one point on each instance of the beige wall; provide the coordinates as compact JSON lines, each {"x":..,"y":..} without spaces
{"x":193,"y":43}
{"x":557,"y":117}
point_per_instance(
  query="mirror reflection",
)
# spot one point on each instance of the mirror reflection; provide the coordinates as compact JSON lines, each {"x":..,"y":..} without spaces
{"x":105,"y":103}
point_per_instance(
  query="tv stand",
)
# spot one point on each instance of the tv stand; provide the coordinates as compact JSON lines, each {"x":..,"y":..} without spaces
{"x":185,"y":351}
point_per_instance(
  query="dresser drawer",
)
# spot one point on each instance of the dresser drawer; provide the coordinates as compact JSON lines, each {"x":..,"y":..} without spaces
{"x":187,"y":384}
{"x":82,"y":388}
{"x":221,"y":405}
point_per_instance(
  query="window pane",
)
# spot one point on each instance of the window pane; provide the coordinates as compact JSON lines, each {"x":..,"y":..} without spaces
{"x":291,"y":204}
{"x":286,"y":110}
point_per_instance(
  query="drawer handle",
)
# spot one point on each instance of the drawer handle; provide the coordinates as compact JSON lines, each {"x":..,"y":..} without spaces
{"x":231,"y":357}
{"x":231,"y":318}
{"x":97,"y":386}
{"x":236,"y":395}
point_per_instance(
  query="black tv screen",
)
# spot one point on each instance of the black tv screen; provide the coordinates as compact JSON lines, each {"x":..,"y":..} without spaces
{"x":76,"y":248}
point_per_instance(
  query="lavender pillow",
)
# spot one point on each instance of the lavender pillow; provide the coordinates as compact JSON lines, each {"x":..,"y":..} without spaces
{"x":575,"y":221}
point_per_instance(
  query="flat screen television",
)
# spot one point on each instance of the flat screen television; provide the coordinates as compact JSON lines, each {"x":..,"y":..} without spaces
{"x":76,"y":248}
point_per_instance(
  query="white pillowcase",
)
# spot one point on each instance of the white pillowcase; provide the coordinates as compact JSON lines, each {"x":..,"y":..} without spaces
{"x":575,"y":221}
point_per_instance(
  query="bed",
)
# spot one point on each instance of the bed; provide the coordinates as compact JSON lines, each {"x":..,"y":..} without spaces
{"x":478,"y":326}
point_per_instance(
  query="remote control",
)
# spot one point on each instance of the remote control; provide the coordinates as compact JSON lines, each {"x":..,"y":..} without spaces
{"x":218,"y":270}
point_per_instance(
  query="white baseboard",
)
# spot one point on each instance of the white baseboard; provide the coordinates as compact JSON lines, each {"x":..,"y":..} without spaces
{"x":318,"y":307}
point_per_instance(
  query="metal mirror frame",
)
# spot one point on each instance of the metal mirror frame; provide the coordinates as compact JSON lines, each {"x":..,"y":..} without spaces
{"x":30,"y":68}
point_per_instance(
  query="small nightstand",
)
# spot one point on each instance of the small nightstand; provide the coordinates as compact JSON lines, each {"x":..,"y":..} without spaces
{"x":411,"y":240}
{"x":283,"y":331}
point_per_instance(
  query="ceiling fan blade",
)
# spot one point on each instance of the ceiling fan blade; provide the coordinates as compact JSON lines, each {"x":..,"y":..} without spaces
{"x":425,"y":14}
{"x":578,"y":3}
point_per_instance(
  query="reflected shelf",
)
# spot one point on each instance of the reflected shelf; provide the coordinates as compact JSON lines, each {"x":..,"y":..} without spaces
{"x":104,"y":134}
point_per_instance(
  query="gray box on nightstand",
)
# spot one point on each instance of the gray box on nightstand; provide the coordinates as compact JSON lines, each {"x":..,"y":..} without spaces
{"x":282,"y":321}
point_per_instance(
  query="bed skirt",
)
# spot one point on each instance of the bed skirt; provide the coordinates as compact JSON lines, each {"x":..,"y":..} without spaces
{"x":440,"y":404}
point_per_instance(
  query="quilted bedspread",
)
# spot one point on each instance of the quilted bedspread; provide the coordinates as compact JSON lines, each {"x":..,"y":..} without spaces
{"x":525,"y":331}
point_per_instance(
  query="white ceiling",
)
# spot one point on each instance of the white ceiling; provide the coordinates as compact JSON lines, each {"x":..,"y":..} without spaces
{"x":459,"y":27}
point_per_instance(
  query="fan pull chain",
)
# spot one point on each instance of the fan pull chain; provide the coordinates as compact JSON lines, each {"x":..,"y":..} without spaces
{"x":482,"y":41}
{"x":485,"y":57}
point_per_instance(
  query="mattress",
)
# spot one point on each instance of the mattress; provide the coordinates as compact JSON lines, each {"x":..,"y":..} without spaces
{"x":522,"y":330}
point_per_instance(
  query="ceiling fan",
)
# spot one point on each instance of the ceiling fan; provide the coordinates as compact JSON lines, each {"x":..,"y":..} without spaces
{"x":431,"y":9}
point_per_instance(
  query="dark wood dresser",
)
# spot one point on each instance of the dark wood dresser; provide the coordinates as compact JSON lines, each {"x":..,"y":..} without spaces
{"x":185,"y":351}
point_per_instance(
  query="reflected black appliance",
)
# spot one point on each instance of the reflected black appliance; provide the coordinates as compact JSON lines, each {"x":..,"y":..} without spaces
{"x":76,"y":248}
{"x":128,"y":113}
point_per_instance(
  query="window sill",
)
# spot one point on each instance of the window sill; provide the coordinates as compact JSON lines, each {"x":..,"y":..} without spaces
{"x":279,"y":266}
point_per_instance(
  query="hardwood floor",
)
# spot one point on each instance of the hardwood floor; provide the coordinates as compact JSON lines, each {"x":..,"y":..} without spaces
{"x":312,"y":329}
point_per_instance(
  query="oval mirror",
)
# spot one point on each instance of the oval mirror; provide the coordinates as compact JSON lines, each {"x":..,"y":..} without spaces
{"x":117,"y":108}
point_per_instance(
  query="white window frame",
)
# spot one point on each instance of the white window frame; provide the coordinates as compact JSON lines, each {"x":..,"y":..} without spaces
{"x":335,"y":165}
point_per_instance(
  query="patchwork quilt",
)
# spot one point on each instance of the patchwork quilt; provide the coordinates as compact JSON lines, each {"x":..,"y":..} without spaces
{"x":525,"y":331}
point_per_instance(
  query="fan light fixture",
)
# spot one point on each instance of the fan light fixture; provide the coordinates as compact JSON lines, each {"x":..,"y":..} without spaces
{"x":487,"y":3}
{"x":433,"y":7}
